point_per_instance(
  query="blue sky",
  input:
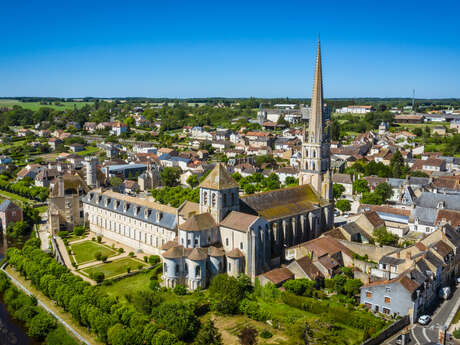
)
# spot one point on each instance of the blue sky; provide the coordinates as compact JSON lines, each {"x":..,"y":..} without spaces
{"x":229,"y":48}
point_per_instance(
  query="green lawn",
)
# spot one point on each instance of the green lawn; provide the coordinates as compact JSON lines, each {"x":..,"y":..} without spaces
{"x":115,"y":268}
{"x":128,"y":285}
{"x":89,"y":150}
{"x":36,"y":105}
{"x":84,"y":251}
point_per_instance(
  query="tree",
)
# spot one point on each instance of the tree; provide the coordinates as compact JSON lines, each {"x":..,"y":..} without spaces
{"x":352,"y":286}
{"x":79,"y":230}
{"x":208,"y":335}
{"x":385,"y":238}
{"x":226,"y":294}
{"x":41,"y":325}
{"x":163,"y":337}
{"x":192,"y":181}
{"x":343,"y":205}
{"x":418,"y":173}
{"x":170,"y":176}
{"x":372,"y":198}
{"x":117,"y":335}
{"x":178,"y":319}
{"x":337,"y":190}
{"x":360,"y":186}
{"x":116,"y":182}
{"x":384,"y":190}
{"x":398,"y":169}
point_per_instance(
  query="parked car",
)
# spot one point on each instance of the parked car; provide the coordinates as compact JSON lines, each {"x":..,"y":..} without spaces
{"x":424,"y":319}
{"x":399,"y":339}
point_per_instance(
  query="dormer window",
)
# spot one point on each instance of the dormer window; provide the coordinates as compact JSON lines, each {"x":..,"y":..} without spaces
{"x":91,"y":196}
{"x":117,"y":203}
{"x":136,"y":210}
{"x":99,"y":198}
{"x":159,"y":216}
{"x":441,"y":205}
{"x":147,"y":212}
{"x":106,"y":202}
{"x":205,"y":198}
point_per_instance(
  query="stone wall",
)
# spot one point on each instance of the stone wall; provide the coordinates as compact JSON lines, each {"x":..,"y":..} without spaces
{"x":388,"y":332}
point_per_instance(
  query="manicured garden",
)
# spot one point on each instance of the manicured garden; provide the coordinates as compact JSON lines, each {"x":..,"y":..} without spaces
{"x":85,"y":251}
{"x":115,"y":268}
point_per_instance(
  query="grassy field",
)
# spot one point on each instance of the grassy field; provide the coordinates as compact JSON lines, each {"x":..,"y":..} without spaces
{"x":85,"y":251}
{"x":115,"y":268}
{"x":12,"y":196}
{"x":89,"y":151}
{"x":128,"y":285}
{"x":36,"y":105}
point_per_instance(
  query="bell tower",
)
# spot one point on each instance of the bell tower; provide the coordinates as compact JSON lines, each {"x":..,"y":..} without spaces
{"x":315,"y":165}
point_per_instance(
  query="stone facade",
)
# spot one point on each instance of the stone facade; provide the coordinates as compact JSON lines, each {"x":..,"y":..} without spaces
{"x":9,"y":213}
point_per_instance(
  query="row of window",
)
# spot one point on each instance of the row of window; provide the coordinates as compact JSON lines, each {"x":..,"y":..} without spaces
{"x":225,"y":200}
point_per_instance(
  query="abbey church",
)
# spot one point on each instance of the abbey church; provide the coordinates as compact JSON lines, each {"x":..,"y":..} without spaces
{"x":226,"y":232}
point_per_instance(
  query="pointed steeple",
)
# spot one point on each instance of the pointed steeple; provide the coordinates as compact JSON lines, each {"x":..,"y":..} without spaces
{"x":316,"y":117}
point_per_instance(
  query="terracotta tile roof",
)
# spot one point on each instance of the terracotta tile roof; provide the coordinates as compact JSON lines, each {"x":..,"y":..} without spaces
{"x":336,"y":233}
{"x":235,"y":253}
{"x":219,"y":179}
{"x":189,"y":208}
{"x":442,"y":248}
{"x":446,"y":182}
{"x":214,"y":251}
{"x":198,"y":222}
{"x":386,"y":209}
{"x":238,"y":221}
{"x":279,"y":275}
{"x":374,"y":218}
{"x":328,"y":262}
{"x":307,"y":266}
{"x":169,"y":245}
{"x":174,"y":252}
{"x":342,"y":178}
{"x":450,"y":216}
{"x":198,"y":254}
{"x":325,"y":245}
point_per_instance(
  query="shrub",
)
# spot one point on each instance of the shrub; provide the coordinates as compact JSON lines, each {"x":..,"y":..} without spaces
{"x":154,"y":285}
{"x":131,"y":254}
{"x":253,"y":310}
{"x":180,"y":290}
{"x":121,"y":250}
{"x":98,"y":277}
{"x":154,"y":259}
{"x":146,"y":258}
{"x":93,"y":238}
{"x":128,"y":269}
{"x":266,"y":334}
{"x":99,"y":239}
{"x":104,"y":258}
{"x":79,"y":230}
{"x":456,"y":334}
{"x":140,"y":266}
{"x":98,"y":256}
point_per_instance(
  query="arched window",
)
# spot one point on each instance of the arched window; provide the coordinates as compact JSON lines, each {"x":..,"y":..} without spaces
{"x":205,"y":198}
{"x":186,"y":270}
{"x":225,"y":200}
{"x":213,"y":200}
{"x":165,"y":267}
{"x":197,"y":271}
{"x":220,"y":266}
{"x":177,"y":269}
{"x":314,"y":153}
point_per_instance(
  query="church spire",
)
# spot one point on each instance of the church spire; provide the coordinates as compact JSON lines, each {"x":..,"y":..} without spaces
{"x":316,"y":117}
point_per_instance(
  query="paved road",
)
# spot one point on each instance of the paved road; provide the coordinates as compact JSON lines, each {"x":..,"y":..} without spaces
{"x":442,"y":317}
{"x":66,"y":325}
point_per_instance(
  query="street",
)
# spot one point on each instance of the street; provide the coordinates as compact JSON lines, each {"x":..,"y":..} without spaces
{"x":441,"y":317}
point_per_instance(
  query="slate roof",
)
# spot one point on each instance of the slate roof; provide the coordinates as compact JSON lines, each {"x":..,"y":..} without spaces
{"x":116,"y":203}
{"x":282,"y":203}
{"x":219,"y":179}
{"x":342,"y":178}
{"x":431,"y":200}
{"x":198,"y":222}
{"x":235,"y":253}
{"x":198,"y":254}
{"x":425,"y":215}
{"x":238,"y":221}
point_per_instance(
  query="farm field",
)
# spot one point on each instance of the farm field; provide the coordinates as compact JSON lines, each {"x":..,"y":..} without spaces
{"x":36,"y":105}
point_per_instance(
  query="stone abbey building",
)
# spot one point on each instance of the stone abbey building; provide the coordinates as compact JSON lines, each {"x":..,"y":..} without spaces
{"x":225,"y":232}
